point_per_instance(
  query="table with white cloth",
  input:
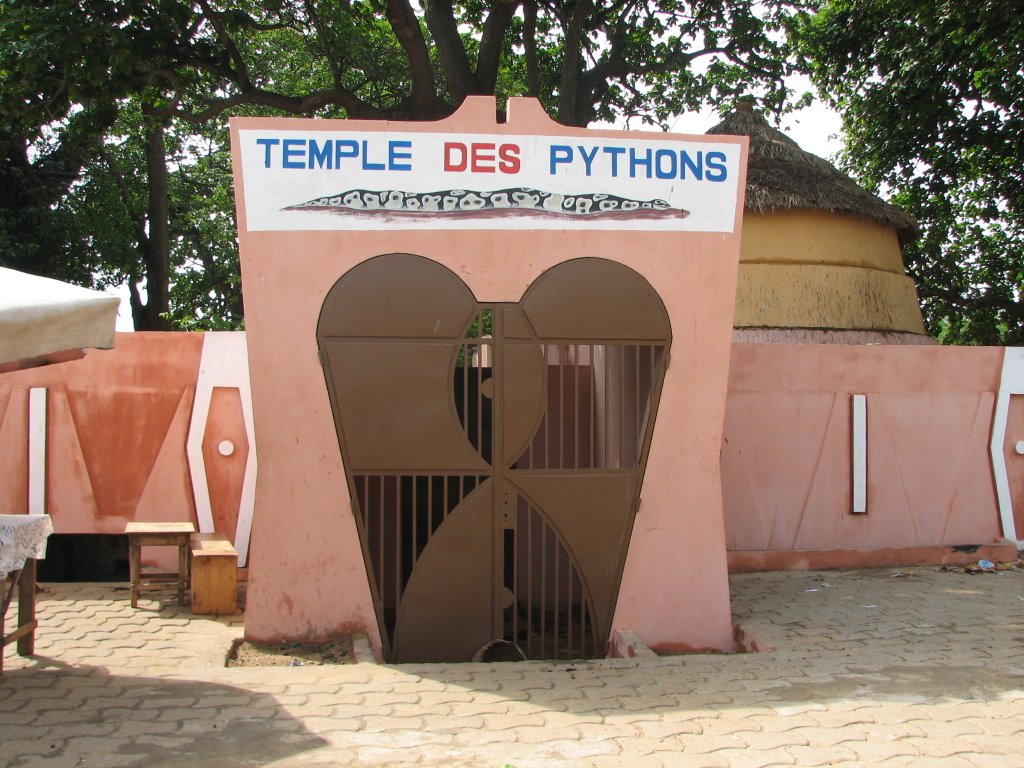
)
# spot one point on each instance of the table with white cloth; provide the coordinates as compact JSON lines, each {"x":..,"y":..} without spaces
{"x":22,"y":542}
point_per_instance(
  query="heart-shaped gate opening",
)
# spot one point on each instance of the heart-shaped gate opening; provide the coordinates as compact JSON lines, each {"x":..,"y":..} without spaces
{"x":494,"y":452}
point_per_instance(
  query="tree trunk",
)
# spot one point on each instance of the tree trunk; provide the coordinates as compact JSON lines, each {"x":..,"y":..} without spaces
{"x":572,"y":65}
{"x":156,"y":248}
{"x":530,"y":48}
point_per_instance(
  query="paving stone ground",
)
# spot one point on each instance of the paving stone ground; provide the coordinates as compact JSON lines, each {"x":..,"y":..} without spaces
{"x":912,"y":667}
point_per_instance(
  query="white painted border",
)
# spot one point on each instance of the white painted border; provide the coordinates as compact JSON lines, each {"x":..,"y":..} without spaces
{"x":1010,"y":383}
{"x":225,"y":363}
{"x":37,"y":451}
{"x":859,"y":452}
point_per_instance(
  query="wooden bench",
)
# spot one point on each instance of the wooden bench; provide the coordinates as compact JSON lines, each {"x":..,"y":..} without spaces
{"x":141,"y":534}
{"x":214,"y":575}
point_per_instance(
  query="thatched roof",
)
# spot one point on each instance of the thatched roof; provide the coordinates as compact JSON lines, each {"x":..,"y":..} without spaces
{"x":782,"y":176}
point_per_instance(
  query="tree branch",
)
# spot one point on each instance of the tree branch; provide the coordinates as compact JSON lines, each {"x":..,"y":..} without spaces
{"x":325,"y":47}
{"x":572,"y":64}
{"x":440,"y":18}
{"x":406,"y":27}
{"x":957,"y":299}
{"x":241,"y":69}
{"x":294,"y":105}
{"x":491,"y":42}
{"x":530,"y":48}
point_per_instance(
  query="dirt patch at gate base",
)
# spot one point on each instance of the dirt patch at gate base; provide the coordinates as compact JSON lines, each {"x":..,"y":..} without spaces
{"x":247,"y":653}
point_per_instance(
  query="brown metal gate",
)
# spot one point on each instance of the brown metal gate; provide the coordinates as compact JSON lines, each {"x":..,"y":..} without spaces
{"x":494,"y":451}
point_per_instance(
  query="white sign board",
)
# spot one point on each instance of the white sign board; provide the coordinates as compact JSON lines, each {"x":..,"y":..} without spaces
{"x":331,"y":180}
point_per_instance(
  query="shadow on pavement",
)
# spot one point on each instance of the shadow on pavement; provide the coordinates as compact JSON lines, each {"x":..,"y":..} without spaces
{"x":85,"y":715}
{"x":719,"y":683}
{"x":907,"y":683}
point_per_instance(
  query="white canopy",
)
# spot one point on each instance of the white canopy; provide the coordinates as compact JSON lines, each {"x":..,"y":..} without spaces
{"x":39,"y":316}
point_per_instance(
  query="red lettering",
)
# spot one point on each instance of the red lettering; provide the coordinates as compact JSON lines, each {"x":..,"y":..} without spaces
{"x":455,"y":149}
{"x":483,"y":158}
{"x":509,"y":154}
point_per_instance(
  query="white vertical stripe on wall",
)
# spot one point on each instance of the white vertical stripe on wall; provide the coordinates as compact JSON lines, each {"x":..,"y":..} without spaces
{"x":1011,"y":383}
{"x":859,"y":452}
{"x":37,"y":451}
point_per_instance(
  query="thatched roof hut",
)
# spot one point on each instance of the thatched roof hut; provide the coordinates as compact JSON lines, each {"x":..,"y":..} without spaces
{"x":821,"y":258}
{"x":782,"y":176}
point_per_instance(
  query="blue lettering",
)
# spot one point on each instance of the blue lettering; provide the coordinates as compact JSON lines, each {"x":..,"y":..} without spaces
{"x":696,"y":168}
{"x":596,"y":159}
{"x":320,"y":156}
{"x":717,"y":166}
{"x":614,"y":152}
{"x":660,"y":170}
{"x":588,"y":159}
{"x":367,"y":165}
{"x":267,"y":144}
{"x":636,"y":161}
{"x":395,"y":156}
{"x":560,"y":153}
{"x":344,"y":148}
{"x":292,"y":149}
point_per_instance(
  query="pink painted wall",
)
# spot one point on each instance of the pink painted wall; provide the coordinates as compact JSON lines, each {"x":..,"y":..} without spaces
{"x":117,"y":425}
{"x":224,"y":473}
{"x":307,"y":578}
{"x":786,"y":457}
{"x":117,"y":421}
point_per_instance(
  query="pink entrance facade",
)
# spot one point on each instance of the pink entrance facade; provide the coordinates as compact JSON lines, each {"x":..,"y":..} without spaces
{"x":311,"y":579}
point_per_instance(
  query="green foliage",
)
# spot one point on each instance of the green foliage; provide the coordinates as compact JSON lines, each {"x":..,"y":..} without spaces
{"x":105,"y":215}
{"x":931,"y":95}
{"x":97,"y":96}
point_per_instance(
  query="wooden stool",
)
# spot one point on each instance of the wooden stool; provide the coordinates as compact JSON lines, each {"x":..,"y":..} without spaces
{"x":214,"y":575}
{"x":158,"y":535}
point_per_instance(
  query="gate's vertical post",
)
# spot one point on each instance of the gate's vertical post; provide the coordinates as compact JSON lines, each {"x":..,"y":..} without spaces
{"x":499,"y":461}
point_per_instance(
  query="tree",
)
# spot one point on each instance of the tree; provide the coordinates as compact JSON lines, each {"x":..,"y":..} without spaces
{"x":56,"y":100}
{"x":931,"y":93}
{"x":114,"y":200}
{"x":70,"y":71}
{"x":383,"y":59}
{"x":106,"y":88}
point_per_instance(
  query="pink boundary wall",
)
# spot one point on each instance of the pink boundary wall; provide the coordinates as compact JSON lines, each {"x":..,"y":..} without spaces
{"x":308,"y":579}
{"x":117,"y":425}
{"x":786,"y":457}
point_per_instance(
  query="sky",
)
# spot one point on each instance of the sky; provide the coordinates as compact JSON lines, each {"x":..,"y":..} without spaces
{"x":815,"y":128}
